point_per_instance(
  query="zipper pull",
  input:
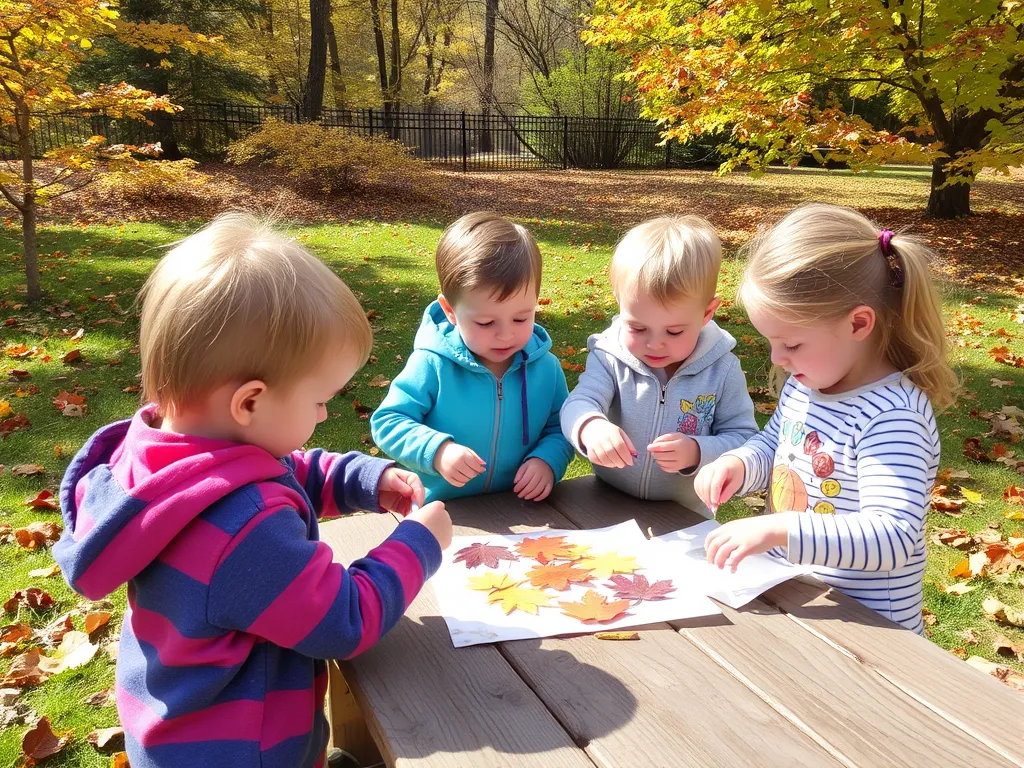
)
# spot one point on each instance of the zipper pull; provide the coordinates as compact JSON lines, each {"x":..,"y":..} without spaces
{"x":500,"y":393}
{"x":663,"y":388}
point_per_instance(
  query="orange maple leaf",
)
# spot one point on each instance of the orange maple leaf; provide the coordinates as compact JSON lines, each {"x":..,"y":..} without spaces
{"x":544,"y":548}
{"x":557,"y":576}
{"x":594,"y":608}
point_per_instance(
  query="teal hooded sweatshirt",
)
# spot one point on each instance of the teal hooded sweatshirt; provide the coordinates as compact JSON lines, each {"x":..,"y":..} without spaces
{"x":443,"y":393}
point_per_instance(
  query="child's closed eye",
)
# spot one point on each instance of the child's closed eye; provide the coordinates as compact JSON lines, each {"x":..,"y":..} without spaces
{"x":485,"y":325}
{"x":793,"y":348}
{"x":675,"y":333}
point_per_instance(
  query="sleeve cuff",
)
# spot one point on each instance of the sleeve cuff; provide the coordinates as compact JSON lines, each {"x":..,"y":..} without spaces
{"x":577,"y":427}
{"x":421,"y":541}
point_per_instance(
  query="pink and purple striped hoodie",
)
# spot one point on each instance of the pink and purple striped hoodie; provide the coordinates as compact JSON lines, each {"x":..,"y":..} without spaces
{"x":233,"y":600}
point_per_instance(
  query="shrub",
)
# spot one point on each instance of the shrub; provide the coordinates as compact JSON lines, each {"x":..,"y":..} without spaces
{"x":155,"y":181}
{"x":334,"y":160}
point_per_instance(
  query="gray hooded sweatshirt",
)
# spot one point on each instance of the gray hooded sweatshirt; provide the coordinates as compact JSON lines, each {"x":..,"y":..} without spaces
{"x":706,"y":398}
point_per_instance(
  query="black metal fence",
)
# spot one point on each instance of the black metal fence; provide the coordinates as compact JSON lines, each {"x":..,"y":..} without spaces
{"x":459,"y":140}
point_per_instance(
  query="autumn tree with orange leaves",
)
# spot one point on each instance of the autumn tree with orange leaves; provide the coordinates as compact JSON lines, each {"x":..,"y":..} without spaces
{"x":760,"y":72}
{"x":41,"y":42}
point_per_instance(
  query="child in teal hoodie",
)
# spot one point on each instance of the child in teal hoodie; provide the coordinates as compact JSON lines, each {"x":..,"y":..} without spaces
{"x":476,"y":408}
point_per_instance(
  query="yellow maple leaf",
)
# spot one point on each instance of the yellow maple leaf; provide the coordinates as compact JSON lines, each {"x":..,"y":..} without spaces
{"x":491,"y":580}
{"x":5,"y":409}
{"x":604,"y":565}
{"x":520,"y":598}
{"x":972,"y":496}
{"x":578,"y":551}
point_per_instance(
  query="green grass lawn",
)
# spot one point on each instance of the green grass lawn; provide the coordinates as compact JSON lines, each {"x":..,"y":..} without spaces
{"x":91,"y":275}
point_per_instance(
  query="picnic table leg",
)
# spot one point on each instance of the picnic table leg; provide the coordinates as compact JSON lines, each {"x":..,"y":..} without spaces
{"x":348,"y":727}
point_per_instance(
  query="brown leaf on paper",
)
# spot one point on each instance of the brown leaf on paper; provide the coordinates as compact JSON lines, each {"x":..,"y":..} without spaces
{"x":996,"y":609}
{"x":999,"y":671}
{"x":557,"y":575}
{"x":107,"y":739}
{"x":95,"y":620}
{"x":520,"y":599}
{"x":33,"y":597}
{"x":478,"y":554}
{"x":37,"y":535}
{"x":639,"y":589}
{"x":41,"y":742}
{"x":545,"y":548}
{"x":594,"y":608}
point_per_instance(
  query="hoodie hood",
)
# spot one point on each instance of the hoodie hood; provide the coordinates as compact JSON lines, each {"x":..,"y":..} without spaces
{"x":712,"y":344}
{"x":437,"y":334}
{"x":131,"y":490}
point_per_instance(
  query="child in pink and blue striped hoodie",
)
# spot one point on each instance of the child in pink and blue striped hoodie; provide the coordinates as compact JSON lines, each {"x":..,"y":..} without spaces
{"x":205,"y":506}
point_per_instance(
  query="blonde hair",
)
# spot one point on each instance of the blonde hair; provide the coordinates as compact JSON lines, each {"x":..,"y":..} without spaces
{"x":668,"y":258}
{"x":484,"y":250}
{"x":822,"y":261}
{"x":238,"y":301}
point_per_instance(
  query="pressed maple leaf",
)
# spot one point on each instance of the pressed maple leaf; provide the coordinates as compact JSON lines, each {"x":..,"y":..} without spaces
{"x":492,"y":580}
{"x":639,"y":589}
{"x":579,"y":551}
{"x":605,"y":564}
{"x":520,"y":599}
{"x":594,"y":608}
{"x":41,"y":742}
{"x":544,"y":548}
{"x":478,"y":554}
{"x":557,"y":575}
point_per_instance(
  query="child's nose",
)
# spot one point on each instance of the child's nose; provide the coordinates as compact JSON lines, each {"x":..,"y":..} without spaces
{"x":779,"y":358}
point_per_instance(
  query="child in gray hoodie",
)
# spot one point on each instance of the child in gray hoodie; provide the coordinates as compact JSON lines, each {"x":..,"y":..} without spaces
{"x":662,"y":394}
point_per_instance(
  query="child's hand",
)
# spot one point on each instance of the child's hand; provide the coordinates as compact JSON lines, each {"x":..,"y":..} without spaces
{"x":717,"y":482}
{"x":457,"y":464}
{"x":534,"y":480}
{"x":607,"y":445}
{"x":399,"y":489}
{"x":434,"y":517}
{"x":675,"y":452}
{"x":728,"y":545}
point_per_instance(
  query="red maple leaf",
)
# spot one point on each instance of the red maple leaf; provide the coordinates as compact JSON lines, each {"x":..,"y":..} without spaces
{"x":639,"y":589}
{"x":483,"y":554}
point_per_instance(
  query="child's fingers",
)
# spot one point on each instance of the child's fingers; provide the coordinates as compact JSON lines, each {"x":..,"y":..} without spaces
{"x":545,"y":491}
{"x":737,"y":556}
{"x":622,"y":450}
{"x":725,"y":551}
{"x":629,"y":443}
{"x":475,"y":456}
{"x":418,"y":495}
{"x":532,"y":488}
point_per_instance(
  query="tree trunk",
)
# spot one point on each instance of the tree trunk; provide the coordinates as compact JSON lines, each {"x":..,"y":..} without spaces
{"x":391,"y":98}
{"x":28,"y":206}
{"x":949,"y":202}
{"x":316,"y":72}
{"x":487,"y":97}
{"x":382,"y":58}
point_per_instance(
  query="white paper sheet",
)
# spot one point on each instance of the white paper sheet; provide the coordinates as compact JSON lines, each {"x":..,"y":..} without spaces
{"x":754,"y":575}
{"x":472,"y":620}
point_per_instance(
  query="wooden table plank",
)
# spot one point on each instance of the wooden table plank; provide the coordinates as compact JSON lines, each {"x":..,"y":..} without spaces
{"x":953,"y":709}
{"x":428,"y":703}
{"x":656,"y":702}
{"x":965,"y":697}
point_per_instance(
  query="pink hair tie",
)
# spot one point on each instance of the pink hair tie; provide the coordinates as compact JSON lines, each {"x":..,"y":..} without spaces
{"x":896,"y":277}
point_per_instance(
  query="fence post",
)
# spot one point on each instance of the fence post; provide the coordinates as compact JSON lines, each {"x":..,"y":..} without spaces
{"x":565,"y":142}
{"x":465,"y":150}
{"x":668,"y":153}
{"x":369,"y":114}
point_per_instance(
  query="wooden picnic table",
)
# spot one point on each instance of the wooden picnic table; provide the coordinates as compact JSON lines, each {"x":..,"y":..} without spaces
{"x":804,"y":676}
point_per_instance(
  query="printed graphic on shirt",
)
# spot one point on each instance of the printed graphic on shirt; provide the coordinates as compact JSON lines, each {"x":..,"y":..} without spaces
{"x":697,"y":414}
{"x":789,"y":492}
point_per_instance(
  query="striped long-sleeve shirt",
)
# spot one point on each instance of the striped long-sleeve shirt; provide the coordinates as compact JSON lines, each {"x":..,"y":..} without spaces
{"x":233,"y":600}
{"x":857,"y":470}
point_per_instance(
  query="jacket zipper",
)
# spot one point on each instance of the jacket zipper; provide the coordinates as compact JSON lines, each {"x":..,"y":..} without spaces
{"x":645,"y":473}
{"x":493,"y":458}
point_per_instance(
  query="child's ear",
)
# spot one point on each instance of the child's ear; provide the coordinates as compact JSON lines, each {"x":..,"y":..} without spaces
{"x":712,"y":308}
{"x":244,"y":401}
{"x":861,"y":321}
{"x":446,"y":308}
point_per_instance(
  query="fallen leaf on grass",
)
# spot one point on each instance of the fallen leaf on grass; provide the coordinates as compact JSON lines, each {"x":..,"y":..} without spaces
{"x":30,"y":668}
{"x":1004,"y":646}
{"x":478,"y":554}
{"x":11,"y":635}
{"x":1000,"y":383}
{"x":5,"y":409}
{"x":999,"y":671}
{"x":557,"y":576}
{"x":929,"y":617}
{"x":72,"y":356}
{"x":995,"y":608}
{"x":41,"y":742}
{"x":949,"y":506}
{"x":95,"y":620}
{"x":56,"y":629}
{"x":75,"y":650}
{"x":520,"y":599}
{"x":953,"y":537}
{"x":44,"y":500}
{"x":1013,"y":495}
{"x":45,"y":573}
{"x":26,"y":470}
{"x":972,"y":497}
{"x":639,"y":589}
{"x":13,"y":424}
{"x":107,"y":739}
{"x":766,"y":408}
{"x":491,"y":580}
{"x":544,"y":548}
{"x":595,"y":608}
{"x":969,"y":637}
{"x":38,"y":535}
{"x":960,"y":588}
{"x":380,"y":381}
{"x":604,"y":565}
{"x":617,"y":635}
{"x":102,"y":698}
{"x":119,"y":760}
{"x":33,"y":597}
